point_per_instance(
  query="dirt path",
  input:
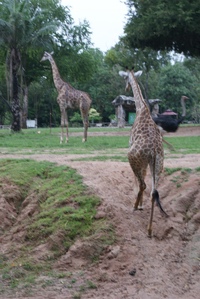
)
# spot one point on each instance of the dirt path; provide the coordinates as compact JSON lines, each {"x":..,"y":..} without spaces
{"x":166,"y":266}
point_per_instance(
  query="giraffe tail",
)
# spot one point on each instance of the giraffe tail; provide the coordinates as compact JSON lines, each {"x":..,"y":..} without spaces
{"x":155,"y":198}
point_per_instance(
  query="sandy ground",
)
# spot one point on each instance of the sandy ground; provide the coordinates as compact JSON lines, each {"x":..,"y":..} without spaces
{"x":136,"y":267}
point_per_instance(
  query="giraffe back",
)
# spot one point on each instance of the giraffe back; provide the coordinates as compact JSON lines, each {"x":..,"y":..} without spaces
{"x":145,"y":141}
{"x":74,"y":98}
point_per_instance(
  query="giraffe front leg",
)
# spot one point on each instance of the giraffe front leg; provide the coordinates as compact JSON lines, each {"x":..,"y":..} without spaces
{"x":64,"y":124}
{"x":61,"y":135}
{"x":85,"y":131}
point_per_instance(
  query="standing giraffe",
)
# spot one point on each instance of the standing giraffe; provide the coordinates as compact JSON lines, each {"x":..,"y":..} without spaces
{"x":145,"y":146}
{"x":69,"y":97}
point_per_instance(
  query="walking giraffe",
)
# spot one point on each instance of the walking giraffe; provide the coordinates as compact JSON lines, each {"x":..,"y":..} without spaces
{"x":146,"y":146}
{"x":69,"y":98}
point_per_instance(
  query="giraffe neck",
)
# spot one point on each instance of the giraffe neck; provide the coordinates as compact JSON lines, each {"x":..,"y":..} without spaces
{"x":140,"y":103}
{"x":56,"y":75}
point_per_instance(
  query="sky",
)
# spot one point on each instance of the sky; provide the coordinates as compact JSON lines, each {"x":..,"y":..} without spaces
{"x":107,"y":19}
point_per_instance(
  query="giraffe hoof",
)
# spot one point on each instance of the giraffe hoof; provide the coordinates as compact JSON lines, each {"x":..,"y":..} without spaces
{"x":140,"y":208}
{"x":132,"y":272}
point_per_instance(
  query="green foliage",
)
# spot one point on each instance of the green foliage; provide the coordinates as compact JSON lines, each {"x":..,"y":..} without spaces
{"x":176,"y":80}
{"x":28,"y":28}
{"x":146,"y":60}
{"x":76,"y":117}
{"x":105,"y":86}
{"x":86,"y":68}
{"x":195,"y":112}
{"x":164,"y":25}
{"x":94,"y":115}
{"x":23,"y":31}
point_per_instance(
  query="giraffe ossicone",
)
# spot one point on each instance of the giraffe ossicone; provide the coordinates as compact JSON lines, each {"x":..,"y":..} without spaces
{"x":69,"y":98}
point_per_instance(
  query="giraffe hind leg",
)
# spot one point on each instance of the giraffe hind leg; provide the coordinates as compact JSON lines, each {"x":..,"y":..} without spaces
{"x":140,"y":175}
{"x":85,"y":125}
{"x":149,"y":230}
{"x":139,"y":201}
{"x":154,"y":198}
{"x":61,"y":135}
{"x":64,"y":124}
{"x":84,"y":109}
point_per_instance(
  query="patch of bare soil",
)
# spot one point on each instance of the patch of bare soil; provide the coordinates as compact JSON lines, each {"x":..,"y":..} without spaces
{"x":165,"y":266}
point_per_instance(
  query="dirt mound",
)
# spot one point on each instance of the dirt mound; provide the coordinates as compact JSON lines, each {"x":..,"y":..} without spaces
{"x":166,"y":266}
{"x":170,"y":260}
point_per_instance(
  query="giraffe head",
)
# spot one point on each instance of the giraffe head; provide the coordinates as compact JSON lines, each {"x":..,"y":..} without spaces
{"x":47,"y":56}
{"x":126,"y":75}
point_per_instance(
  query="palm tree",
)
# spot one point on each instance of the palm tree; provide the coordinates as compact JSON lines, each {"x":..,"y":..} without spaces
{"x":24,"y":31}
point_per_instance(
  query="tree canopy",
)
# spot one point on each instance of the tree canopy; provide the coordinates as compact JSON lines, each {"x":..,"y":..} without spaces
{"x":164,"y":25}
{"x":27,"y":29}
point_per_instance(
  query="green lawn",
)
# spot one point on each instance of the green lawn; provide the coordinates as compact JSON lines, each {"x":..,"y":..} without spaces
{"x":44,"y":140}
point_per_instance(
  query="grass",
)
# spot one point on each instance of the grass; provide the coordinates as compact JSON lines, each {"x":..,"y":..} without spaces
{"x":170,"y":171}
{"x":183,"y":171}
{"x":30,"y":141}
{"x":64,"y":211}
{"x":108,"y":147}
{"x":186,"y":144}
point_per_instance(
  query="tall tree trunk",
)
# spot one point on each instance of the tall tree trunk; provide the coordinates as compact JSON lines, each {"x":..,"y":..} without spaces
{"x":24,"y":112}
{"x":15,"y":105}
{"x":121,"y":116}
{"x":14,"y":66}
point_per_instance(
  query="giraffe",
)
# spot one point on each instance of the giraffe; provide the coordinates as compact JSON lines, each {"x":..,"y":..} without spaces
{"x":146,"y":147}
{"x":69,"y":98}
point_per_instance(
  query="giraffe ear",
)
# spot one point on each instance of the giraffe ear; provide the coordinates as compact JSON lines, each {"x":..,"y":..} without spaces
{"x":138,"y":74}
{"x":123,"y":74}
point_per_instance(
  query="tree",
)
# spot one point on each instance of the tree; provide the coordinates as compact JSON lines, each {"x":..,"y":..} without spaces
{"x":94,"y":115}
{"x":145,"y":60}
{"x":176,"y":80}
{"x":164,"y":25}
{"x":28,"y":28}
{"x":42,"y":103}
{"x":18,"y":22}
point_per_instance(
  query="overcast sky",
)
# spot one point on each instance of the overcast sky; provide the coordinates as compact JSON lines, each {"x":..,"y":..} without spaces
{"x":106,"y":18}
